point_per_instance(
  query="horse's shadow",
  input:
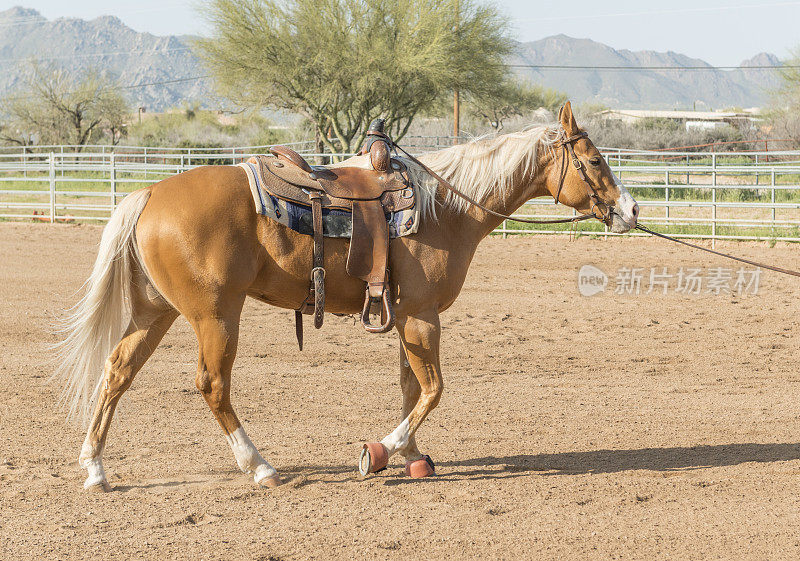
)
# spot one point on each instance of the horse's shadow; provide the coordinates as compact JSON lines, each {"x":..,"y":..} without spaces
{"x":612,"y":461}
{"x":589,"y":462}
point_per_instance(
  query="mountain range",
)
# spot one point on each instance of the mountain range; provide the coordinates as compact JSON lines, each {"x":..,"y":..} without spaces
{"x":106,"y":44}
{"x":693,"y":84}
{"x":161,"y":72}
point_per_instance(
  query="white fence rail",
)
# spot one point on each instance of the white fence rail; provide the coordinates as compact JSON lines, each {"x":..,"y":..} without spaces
{"x":747,"y":195}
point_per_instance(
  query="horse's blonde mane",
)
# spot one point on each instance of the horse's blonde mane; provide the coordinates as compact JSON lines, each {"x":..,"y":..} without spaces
{"x":477,"y":168}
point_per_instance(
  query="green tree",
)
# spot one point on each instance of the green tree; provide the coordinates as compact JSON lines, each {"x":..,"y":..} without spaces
{"x":784,"y":116}
{"x":789,"y":89}
{"x":342,"y":63}
{"x":56,"y":107}
{"x":512,"y":98}
{"x":11,"y":134}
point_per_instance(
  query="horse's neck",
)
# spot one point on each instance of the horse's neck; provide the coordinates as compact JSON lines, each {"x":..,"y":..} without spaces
{"x":474,"y":224}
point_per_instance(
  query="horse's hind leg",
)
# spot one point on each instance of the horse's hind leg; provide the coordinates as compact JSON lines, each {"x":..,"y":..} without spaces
{"x":218,"y":335}
{"x":144,"y":332}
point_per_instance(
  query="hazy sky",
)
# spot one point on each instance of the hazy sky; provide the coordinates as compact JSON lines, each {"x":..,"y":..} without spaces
{"x":723,"y":32}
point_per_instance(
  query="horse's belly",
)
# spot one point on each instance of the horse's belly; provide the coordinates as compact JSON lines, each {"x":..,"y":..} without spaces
{"x":285,"y":278}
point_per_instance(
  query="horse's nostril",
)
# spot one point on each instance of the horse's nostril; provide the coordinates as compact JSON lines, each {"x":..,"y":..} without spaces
{"x":635,"y":210}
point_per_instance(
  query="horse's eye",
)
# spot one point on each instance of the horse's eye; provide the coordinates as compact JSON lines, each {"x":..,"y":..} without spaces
{"x":595,"y":161}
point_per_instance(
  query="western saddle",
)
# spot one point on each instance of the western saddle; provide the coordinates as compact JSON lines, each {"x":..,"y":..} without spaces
{"x":369,"y":194}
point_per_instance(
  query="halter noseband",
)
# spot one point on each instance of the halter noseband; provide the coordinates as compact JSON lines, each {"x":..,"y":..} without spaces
{"x":576,"y":162}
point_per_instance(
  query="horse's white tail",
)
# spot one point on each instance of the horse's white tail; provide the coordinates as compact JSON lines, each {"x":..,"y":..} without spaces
{"x":94,"y":326}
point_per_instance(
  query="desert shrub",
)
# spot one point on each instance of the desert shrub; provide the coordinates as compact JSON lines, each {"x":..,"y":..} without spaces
{"x":784,"y":123}
{"x":656,"y":134}
{"x":195,"y":128}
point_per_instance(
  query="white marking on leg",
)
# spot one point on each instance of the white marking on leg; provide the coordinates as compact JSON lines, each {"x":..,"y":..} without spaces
{"x":247,"y":456}
{"x":97,"y":476}
{"x":398,"y":439}
{"x":91,"y":460}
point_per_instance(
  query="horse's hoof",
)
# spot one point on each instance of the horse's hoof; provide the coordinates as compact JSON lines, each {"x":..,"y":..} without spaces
{"x":271,"y":482}
{"x":98,"y":487}
{"x":420,"y":468}
{"x":374,"y":458}
{"x":266,"y":476}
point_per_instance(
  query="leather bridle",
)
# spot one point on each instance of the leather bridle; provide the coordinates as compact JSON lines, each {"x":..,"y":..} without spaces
{"x":607,"y":216}
{"x":569,"y":153}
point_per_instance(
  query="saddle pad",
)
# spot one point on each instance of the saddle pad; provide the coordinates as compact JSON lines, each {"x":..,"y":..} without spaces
{"x":335,"y":223}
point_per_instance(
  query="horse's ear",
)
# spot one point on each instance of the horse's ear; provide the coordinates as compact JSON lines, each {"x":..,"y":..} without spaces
{"x":567,"y":119}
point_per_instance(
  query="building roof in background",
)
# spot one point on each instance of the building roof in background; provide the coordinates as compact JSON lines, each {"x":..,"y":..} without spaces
{"x":633,"y":114}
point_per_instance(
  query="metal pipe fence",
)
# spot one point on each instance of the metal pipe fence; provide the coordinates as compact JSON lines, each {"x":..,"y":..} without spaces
{"x":731,"y":195}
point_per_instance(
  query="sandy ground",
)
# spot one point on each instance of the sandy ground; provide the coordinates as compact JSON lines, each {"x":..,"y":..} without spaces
{"x":618,"y":426}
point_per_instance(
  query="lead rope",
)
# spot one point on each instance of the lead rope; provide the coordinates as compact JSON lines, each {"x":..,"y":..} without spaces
{"x":740,"y":259}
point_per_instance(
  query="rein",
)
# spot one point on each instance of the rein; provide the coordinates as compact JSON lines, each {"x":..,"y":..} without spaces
{"x":566,"y":143}
{"x":740,"y":259}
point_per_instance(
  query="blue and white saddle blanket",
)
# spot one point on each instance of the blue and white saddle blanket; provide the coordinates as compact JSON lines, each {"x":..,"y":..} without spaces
{"x":335,"y":223}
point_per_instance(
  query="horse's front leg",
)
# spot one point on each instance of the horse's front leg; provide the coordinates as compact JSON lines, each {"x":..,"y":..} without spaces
{"x":411,"y":389}
{"x":419,"y":335}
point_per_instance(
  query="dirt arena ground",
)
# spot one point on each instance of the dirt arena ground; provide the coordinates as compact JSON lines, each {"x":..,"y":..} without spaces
{"x":643,"y":426}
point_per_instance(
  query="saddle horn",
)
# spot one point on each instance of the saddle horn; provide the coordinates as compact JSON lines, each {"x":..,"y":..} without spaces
{"x":377,"y":145}
{"x":377,"y":125}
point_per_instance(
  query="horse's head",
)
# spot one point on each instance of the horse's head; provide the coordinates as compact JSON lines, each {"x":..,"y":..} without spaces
{"x":579,"y":177}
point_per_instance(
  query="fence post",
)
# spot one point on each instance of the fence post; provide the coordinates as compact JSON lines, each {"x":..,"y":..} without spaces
{"x":713,"y":200}
{"x":113,"y":161}
{"x":756,"y":169}
{"x":505,"y":228}
{"x":687,"y":171}
{"x":772,"y":196}
{"x":52,"y":188}
{"x":666,"y":194}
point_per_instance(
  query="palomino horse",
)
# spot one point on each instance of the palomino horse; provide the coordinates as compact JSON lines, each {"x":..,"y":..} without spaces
{"x":193,"y":244}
